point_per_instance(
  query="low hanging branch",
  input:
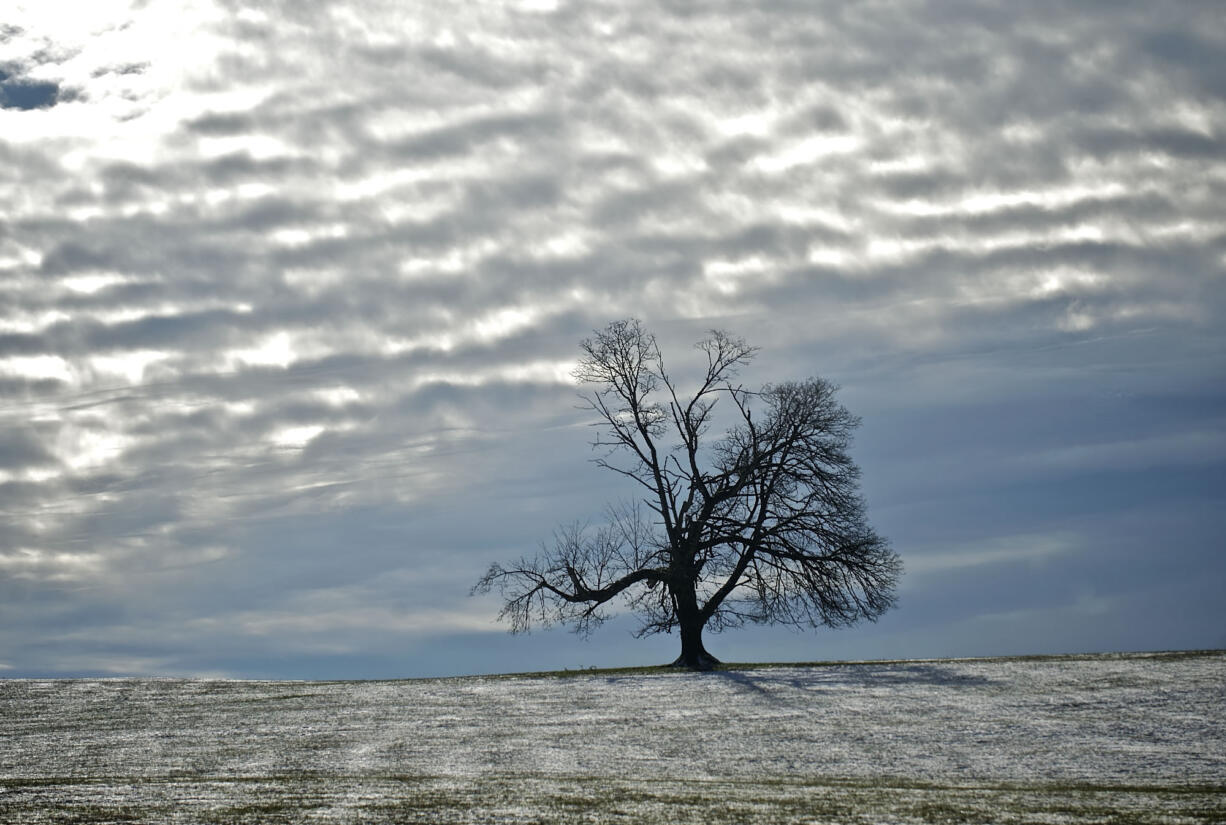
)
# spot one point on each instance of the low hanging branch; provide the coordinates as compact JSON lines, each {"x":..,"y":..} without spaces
{"x":764,"y":524}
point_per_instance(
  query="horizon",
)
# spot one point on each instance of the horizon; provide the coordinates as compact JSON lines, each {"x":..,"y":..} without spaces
{"x":663,"y":669}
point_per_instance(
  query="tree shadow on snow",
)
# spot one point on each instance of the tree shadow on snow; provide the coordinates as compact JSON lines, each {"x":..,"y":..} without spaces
{"x":745,"y":681}
{"x":918,"y":673}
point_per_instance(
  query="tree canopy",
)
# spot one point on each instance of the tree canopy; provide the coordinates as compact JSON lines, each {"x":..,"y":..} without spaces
{"x":763,"y":523}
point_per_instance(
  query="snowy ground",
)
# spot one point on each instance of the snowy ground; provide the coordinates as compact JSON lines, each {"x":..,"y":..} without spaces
{"x":1095,"y":739}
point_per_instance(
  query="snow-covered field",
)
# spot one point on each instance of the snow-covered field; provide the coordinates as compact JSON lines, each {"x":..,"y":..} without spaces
{"x":1078,"y":739}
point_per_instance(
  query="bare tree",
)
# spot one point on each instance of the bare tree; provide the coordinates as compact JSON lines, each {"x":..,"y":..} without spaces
{"x":764,"y":524}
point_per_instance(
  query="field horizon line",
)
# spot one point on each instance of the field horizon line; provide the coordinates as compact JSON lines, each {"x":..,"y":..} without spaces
{"x":670,"y":669}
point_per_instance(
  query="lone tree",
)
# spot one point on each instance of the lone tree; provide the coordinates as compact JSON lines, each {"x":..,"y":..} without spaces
{"x":764,"y":524}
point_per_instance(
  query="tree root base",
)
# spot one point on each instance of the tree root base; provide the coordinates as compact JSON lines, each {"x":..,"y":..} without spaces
{"x":704,"y":661}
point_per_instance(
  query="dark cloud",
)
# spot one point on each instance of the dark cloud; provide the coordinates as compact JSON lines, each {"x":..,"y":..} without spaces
{"x":221,"y":124}
{"x":22,"y":448}
{"x":121,"y":69}
{"x":1195,"y":54}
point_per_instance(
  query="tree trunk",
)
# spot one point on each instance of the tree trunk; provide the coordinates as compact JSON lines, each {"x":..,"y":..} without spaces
{"x":693,"y":655}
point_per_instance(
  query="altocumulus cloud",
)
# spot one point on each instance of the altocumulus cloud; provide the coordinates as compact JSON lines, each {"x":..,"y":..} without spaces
{"x":289,"y":297}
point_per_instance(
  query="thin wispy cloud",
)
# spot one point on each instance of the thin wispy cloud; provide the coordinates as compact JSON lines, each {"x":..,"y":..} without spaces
{"x":289,"y":299}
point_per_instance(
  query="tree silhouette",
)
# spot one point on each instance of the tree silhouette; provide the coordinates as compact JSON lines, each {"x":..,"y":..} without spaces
{"x":763,"y":524}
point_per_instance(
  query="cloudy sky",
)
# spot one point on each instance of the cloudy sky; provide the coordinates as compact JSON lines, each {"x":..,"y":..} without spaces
{"x":290,"y":294}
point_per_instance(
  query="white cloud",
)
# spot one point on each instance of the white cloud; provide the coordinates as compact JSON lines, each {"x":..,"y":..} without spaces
{"x":50,"y":566}
{"x":38,"y":366}
{"x":806,"y":152}
{"x":1035,"y":549}
{"x":1203,"y":447}
{"x":295,"y":437}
